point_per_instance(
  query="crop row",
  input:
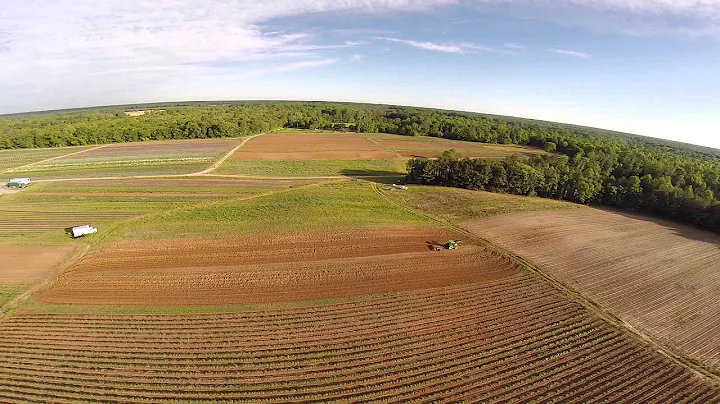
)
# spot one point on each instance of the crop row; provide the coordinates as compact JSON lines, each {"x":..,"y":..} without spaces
{"x":507,"y":340}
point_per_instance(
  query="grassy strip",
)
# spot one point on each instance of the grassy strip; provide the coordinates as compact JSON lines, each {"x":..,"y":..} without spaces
{"x":7,"y":293}
{"x":293,"y":168}
{"x":457,"y":205}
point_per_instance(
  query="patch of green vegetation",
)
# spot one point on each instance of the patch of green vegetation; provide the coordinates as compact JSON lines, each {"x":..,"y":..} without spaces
{"x":340,"y":204}
{"x":37,"y":215}
{"x":293,"y":168}
{"x":7,"y":293}
{"x":458,"y":205}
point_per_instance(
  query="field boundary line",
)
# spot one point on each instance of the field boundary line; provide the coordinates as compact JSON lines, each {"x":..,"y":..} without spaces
{"x":55,"y":158}
{"x":576,"y":296}
{"x":214,"y":166}
{"x":386,"y":148}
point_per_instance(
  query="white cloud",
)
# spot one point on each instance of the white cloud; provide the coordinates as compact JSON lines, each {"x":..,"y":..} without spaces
{"x":356,"y":57}
{"x":109,"y":44}
{"x":459,"y":48}
{"x":515,"y":46}
{"x":566,"y":52}
{"x":292,"y":66}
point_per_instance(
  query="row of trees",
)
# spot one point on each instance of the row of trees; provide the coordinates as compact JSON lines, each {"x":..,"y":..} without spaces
{"x":586,"y":165}
{"x":630,"y":180}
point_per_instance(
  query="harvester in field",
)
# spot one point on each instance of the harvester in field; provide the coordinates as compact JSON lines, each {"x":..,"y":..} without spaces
{"x":450,"y":245}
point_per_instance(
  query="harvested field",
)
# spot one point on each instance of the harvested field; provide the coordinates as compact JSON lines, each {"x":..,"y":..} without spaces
{"x":514,"y":339}
{"x":660,"y":277}
{"x":311,"y":147}
{"x":23,"y":265}
{"x":276,"y":268}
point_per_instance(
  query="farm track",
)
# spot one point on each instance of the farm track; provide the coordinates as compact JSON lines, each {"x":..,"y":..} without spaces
{"x":505,"y":338}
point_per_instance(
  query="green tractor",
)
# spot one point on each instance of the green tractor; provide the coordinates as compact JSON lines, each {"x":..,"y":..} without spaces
{"x":453,"y":244}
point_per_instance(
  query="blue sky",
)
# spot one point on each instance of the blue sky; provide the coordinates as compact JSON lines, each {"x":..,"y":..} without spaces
{"x":650,"y":67}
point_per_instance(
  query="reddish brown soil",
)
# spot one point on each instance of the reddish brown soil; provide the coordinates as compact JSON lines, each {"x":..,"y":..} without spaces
{"x":660,"y":277}
{"x":195,"y":146}
{"x":514,"y":339}
{"x":277,"y":268}
{"x":23,"y":265}
{"x":311,"y":147}
{"x":462,"y":153}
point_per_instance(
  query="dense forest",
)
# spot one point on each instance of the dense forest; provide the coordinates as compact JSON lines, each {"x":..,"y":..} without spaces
{"x":586,"y":165}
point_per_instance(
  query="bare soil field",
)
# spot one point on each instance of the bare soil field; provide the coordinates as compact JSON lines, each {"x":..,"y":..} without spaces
{"x":276,"y":268}
{"x":514,"y":339}
{"x":169,"y":147}
{"x":24,"y":265}
{"x":311,"y":147}
{"x":660,"y":277}
{"x":429,"y":147}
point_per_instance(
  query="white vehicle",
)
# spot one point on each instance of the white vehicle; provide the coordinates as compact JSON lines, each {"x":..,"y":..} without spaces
{"x":18,"y":182}
{"x":79,"y":231}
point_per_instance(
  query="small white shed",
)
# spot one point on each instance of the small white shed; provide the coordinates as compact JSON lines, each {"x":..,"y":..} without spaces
{"x":79,"y":231}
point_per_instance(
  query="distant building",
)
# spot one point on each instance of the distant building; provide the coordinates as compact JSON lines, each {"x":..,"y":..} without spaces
{"x":142,"y":112}
{"x":18,"y":182}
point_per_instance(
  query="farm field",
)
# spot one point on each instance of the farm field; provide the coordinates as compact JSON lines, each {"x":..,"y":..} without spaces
{"x":140,"y":158}
{"x":10,"y":159}
{"x":660,"y":277}
{"x":280,"y":268}
{"x":330,"y":154}
{"x":42,"y":211}
{"x":430,"y":147}
{"x":511,"y":339}
{"x":457,"y":205}
{"x":23,"y":266}
{"x":243,"y":284}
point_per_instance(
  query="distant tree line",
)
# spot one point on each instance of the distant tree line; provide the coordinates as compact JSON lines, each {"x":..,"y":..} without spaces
{"x":662,"y":185}
{"x":586,"y":165}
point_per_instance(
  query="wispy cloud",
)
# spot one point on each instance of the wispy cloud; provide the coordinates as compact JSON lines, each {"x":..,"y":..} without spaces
{"x":356,"y":57}
{"x":515,"y":46}
{"x":566,"y":52}
{"x":458,"y":48}
{"x":292,"y":66}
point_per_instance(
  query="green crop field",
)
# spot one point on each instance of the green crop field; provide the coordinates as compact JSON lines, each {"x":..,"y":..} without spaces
{"x":336,"y":204}
{"x":312,"y":168}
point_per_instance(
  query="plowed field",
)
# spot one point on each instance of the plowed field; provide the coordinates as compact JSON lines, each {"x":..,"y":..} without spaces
{"x":22,"y":265}
{"x":277,"y":268}
{"x":660,"y":277}
{"x":311,"y":147}
{"x":195,"y":147}
{"x":506,"y":340}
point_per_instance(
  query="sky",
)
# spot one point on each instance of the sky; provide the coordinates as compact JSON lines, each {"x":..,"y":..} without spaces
{"x":650,"y":67}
